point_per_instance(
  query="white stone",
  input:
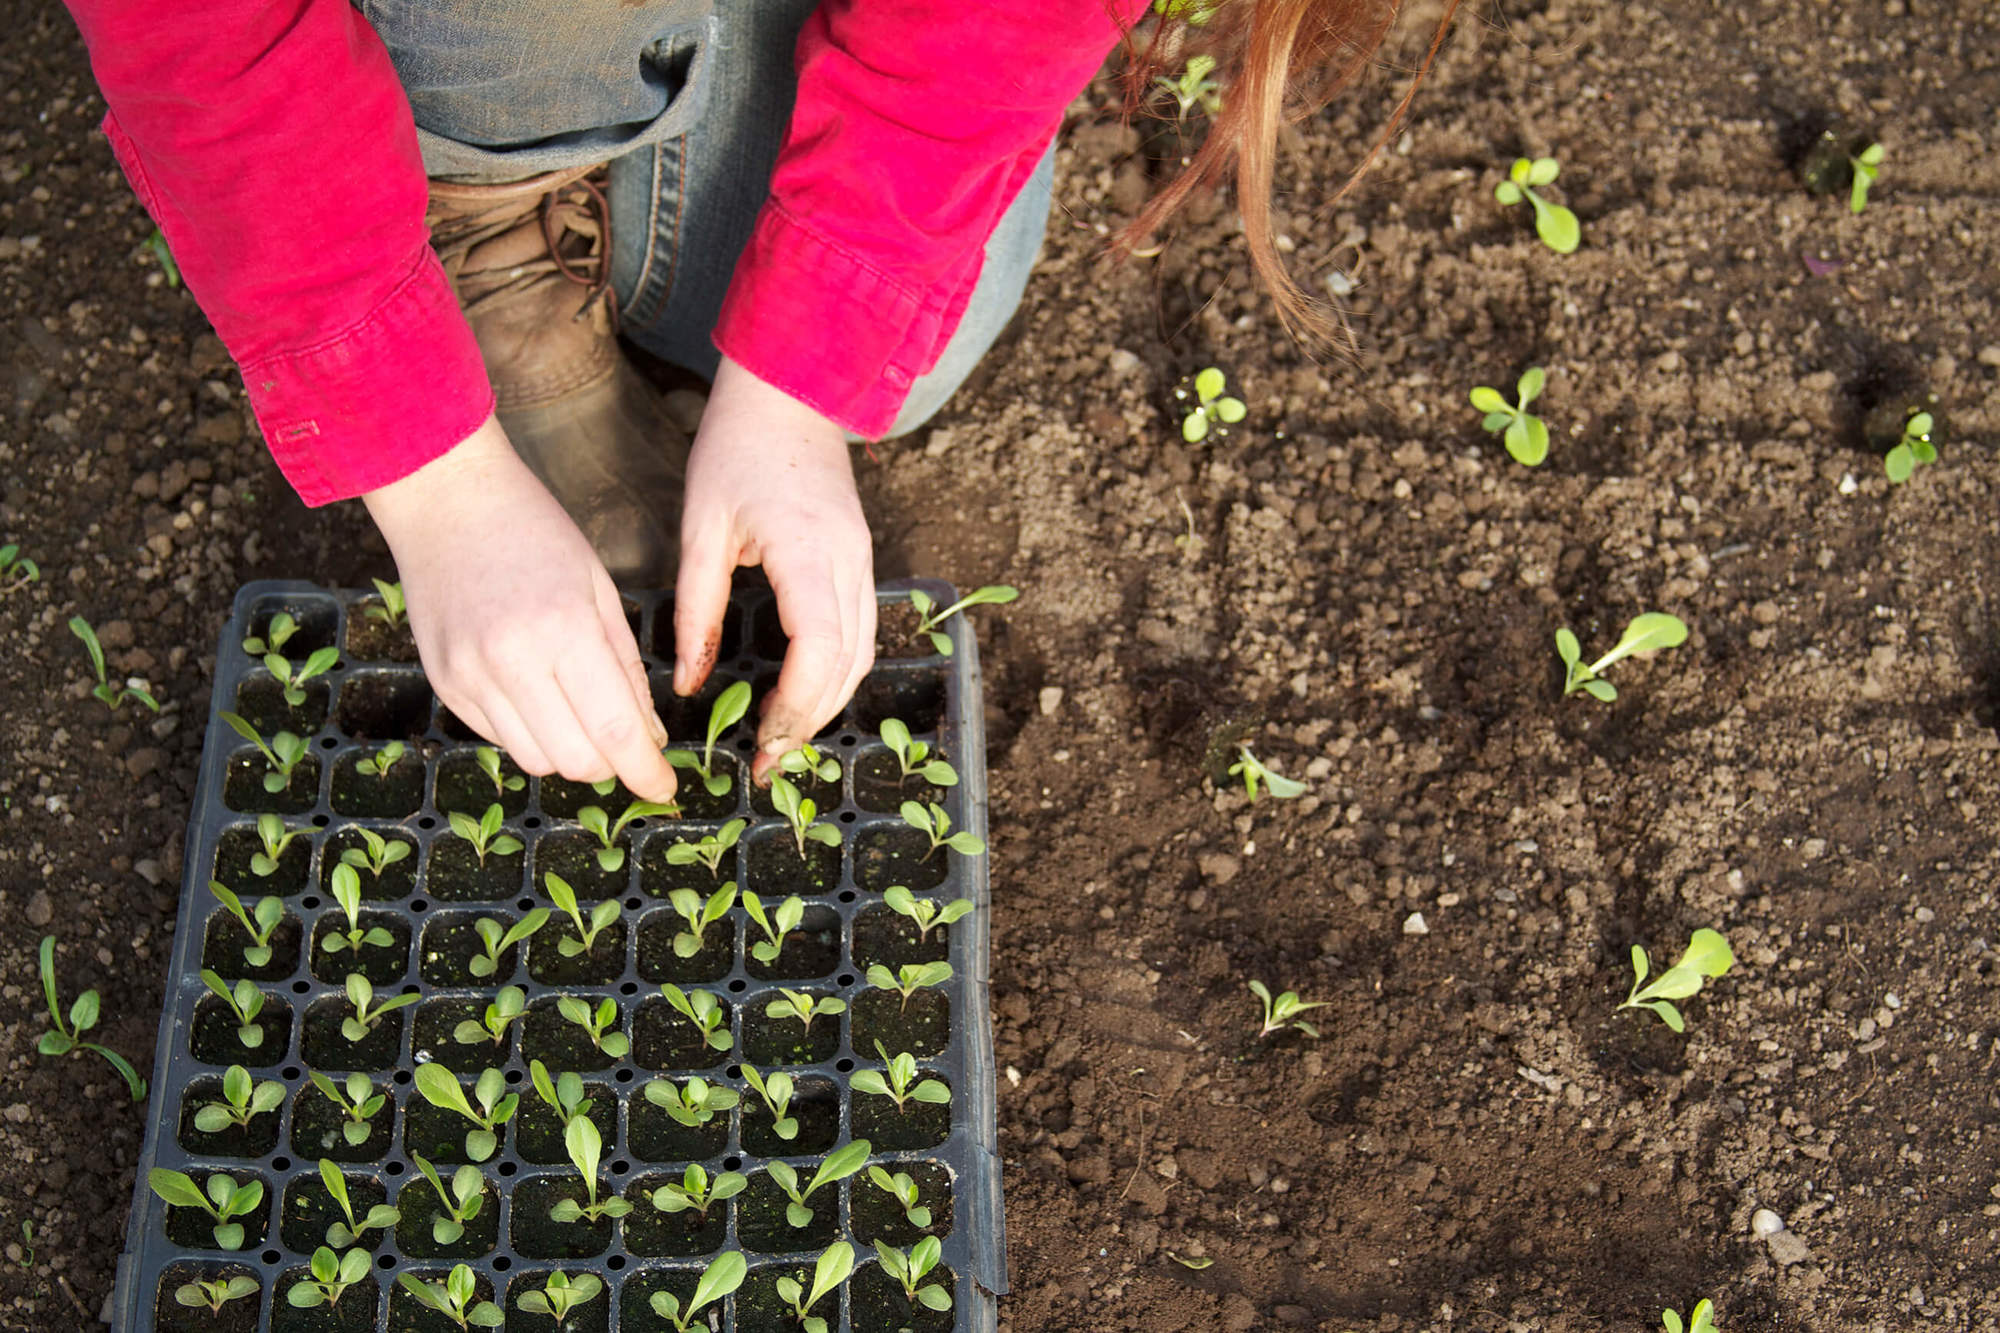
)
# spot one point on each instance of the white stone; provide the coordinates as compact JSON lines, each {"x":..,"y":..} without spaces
{"x":1414,"y":924}
{"x":1766,"y":1223}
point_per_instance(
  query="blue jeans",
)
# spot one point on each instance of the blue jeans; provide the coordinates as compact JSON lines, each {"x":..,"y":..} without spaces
{"x":689,"y":101}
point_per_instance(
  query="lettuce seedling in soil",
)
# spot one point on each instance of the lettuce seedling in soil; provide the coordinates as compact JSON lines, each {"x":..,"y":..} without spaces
{"x":330,"y":1278}
{"x":832,"y":1269}
{"x":1193,"y":88}
{"x":459,"y":1203}
{"x":292,"y":679}
{"x":1701,"y":1319}
{"x":1647,"y":633}
{"x":1866,"y":166}
{"x":496,"y":940}
{"x":913,"y":757}
{"x":776,"y":1092}
{"x":488,"y":760}
{"x":245,"y":1002}
{"x":1284,"y":1010}
{"x":908,"y":979}
{"x":930,"y":819}
{"x":456,"y":1298}
{"x":728,"y":709}
{"x":392,"y":609}
{"x":802,"y":1006}
{"x":1525,"y":434}
{"x":807,"y":760}
{"x":897,"y":1080}
{"x":775,"y":926}
{"x":710,"y":850}
{"x":1914,"y":449}
{"x":585,"y":1147}
{"x":929,"y":618}
{"x":341,"y":1234}
{"x":361,"y":994}
{"x":800,"y":812}
{"x":212,"y":1296}
{"x":694,"y":1103}
{"x":721,"y":1278}
{"x":699,"y":914}
{"x":17,"y":571}
{"x":282,"y":753}
{"x":702,"y":1009}
{"x":924,"y":911}
{"x":910,"y":1269}
{"x":601,"y":916}
{"x":378,"y":764}
{"x":496,"y":1106}
{"x":242,"y":1099}
{"x":1706,"y":956}
{"x":258,"y":922}
{"x":836,"y":1166}
{"x":559,"y":1295}
{"x":1211,"y":407}
{"x":1256,"y":773}
{"x":695,"y":1193}
{"x":376,"y":854}
{"x":224,"y":1200}
{"x":104,"y":691}
{"x":1556,"y":225}
{"x":596,"y":1023}
{"x":274,"y":838}
{"x":358,"y":1102}
{"x":610,"y":856}
{"x":502,"y":1011}
{"x":346,"y":891}
{"x":484,"y":833}
{"x":563,"y":1092}
{"x":276,"y":635}
{"x":904,"y":1191}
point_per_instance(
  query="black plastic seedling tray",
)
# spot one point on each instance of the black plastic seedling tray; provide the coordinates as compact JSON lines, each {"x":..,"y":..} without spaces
{"x":428,"y":902}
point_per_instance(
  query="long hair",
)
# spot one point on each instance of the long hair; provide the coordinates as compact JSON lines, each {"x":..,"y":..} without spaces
{"x":1281,"y":61}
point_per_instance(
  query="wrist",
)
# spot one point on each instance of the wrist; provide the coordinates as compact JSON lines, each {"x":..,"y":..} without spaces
{"x":460,"y":471}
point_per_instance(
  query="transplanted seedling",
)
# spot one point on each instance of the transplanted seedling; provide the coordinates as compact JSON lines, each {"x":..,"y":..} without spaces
{"x":496,"y":939}
{"x":694,"y":1103}
{"x":776,"y":1092}
{"x":560,"y":1294}
{"x":696,"y":1193}
{"x":1284,"y":1010}
{"x":1867,"y":165}
{"x":601,"y":916}
{"x":1914,"y":449}
{"x":1211,"y":406}
{"x":224,"y":1200}
{"x":925,"y":912}
{"x":800,"y":811}
{"x":700,"y":914}
{"x":392,"y":610}
{"x":903,"y":1190}
{"x":710,"y":850}
{"x":702,"y":1009}
{"x":910,"y":1269}
{"x":585,"y":1146}
{"x":292,"y":678}
{"x":484,"y":832}
{"x":243,"y":1099}
{"x":346,"y":891}
{"x":456,"y":1298}
{"x":897,"y":1080}
{"x":258,"y":922}
{"x":272,"y":839}
{"x":563,"y":1092}
{"x":1701,"y":1319}
{"x":368,"y":1014}
{"x":1525,"y":434}
{"x":1256,"y":774}
{"x":807,"y":759}
{"x":728,"y":709}
{"x":913,"y":757}
{"x":245,"y":1002}
{"x":342,"y":1234}
{"x":929,"y":617}
{"x":17,"y":571}
{"x":597,"y":1023}
{"x":831,"y":1270}
{"x":930,"y":819}
{"x":331,"y":1276}
{"x":1707,"y":955}
{"x":722,"y":1277}
{"x":377,"y":765}
{"x":909,"y":978}
{"x":610,"y":856}
{"x":496,"y":1106}
{"x":358,"y":1102}
{"x":213,"y":1295}
{"x":282,"y":752}
{"x":104,"y":691}
{"x":459,"y":1202}
{"x":503,"y":782}
{"x":504,"y":1010}
{"x":798,"y":1004}
{"x":1647,"y":633}
{"x":276,"y":635}
{"x":775,"y":926}
{"x":835,"y":1166}
{"x":376,"y":853}
{"x":1193,"y":88}
{"x":1556,"y":225}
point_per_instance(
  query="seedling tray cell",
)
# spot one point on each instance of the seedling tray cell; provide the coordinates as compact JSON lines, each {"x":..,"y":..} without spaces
{"x":420,"y":918}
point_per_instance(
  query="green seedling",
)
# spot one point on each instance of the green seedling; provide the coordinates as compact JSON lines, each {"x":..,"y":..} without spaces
{"x":163,"y":255}
{"x":909,"y":978}
{"x":1193,"y":88}
{"x":560,"y":1294}
{"x":1706,"y":956}
{"x":213,"y":1295}
{"x":601,"y":916}
{"x":243,"y":1099}
{"x":104,"y":691}
{"x":293,"y":678}
{"x":835,"y":1166}
{"x":1257,"y":774}
{"x":1284,"y":1010}
{"x":1914,"y":449}
{"x":694,"y":1103}
{"x":376,"y":854}
{"x":929,"y":617}
{"x":1525,"y":434}
{"x":342,"y":1234}
{"x":831,"y":1270}
{"x":393,"y":609}
{"x":585,"y":1146}
{"x":807,"y":759}
{"x":699,"y":914}
{"x":925,"y":912}
{"x":610,"y":856}
{"x":273,"y":838}
{"x":930,"y":819}
{"x":776,"y":1092}
{"x":377,"y":765}
{"x":1701,"y":1319}
{"x":702,"y":1009}
{"x":1556,"y":225}
{"x":331,"y":1276}
{"x":460,"y":1202}
{"x":497,"y":940}
{"x":710,"y":850}
{"x":245,"y":1002}
{"x":776,"y":926}
{"x":367,"y":1014}
{"x":1647,"y":633}
{"x":17,"y":571}
{"x":456,"y":1298}
{"x":696,"y":1193}
{"x":913,"y":757}
{"x":346,"y":891}
{"x":258,"y":922}
{"x":910,"y":1269}
{"x":504,"y":1010}
{"x":484,"y":833}
{"x":563,"y":1093}
{"x":358,"y":1102}
{"x":728,"y":709}
{"x":802,"y":1006}
{"x":1867,"y":166}
{"x":800,"y":811}
{"x":496,"y":1106}
{"x":722,"y":1277}
{"x":904,"y":1191}
{"x":282,"y":753}
{"x":503,"y":782}
{"x":897,"y":1080}
{"x":224,"y":1200}
{"x":1211,"y":406}
{"x":276,"y":635}
{"x":596,"y":1023}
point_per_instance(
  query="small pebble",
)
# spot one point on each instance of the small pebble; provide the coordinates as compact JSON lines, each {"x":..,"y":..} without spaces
{"x":1050,"y":699}
{"x":1414,"y":924}
{"x":1765,"y":1223}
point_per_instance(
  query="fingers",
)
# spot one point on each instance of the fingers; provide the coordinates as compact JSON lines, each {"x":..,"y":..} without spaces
{"x":603,"y":694}
{"x":618,"y":631}
{"x":821,"y":614}
{"x":701,"y":599}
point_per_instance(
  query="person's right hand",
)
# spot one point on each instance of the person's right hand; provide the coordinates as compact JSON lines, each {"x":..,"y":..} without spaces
{"x":520,"y":629}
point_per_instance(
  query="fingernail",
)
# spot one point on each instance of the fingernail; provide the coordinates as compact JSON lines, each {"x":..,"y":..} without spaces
{"x":680,"y":676}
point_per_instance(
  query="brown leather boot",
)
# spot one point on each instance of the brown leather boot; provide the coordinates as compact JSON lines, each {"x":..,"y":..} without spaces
{"x":531,"y":262}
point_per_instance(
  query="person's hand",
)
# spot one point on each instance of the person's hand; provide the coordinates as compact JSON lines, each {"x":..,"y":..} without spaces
{"x":520,"y":629}
{"x":769,"y":483}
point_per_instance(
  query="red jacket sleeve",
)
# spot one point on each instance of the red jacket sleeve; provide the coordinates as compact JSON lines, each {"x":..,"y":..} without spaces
{"x":274,"y":147}
{"x":916,"y":124}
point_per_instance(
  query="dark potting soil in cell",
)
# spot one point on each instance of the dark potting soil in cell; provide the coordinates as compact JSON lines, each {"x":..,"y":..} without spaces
{"x":309,"y":1210}
{"x":325,"y":1046}
{"x":382,"y":964}
{"x":572,"y":854}
{"x":592,"y":1316}
{"x":392,"y":795}
{"x":222,"y":950}
{"x":775,"y":869}
{"x":439,"y":1134}
{"x":650,"y":1233}
{"x":407,"y":1314}
{"x":921,"y":1026}
{"x":462,"y":785}
{"x":881,"y":788}
{"x":761,"y":1223}
{"x":420,"y":1206}
{"x":915,"y":1128}
{"x":397,"y":879}
{"x":875,"y":1214}
{"x":809,"y":953}
{"x":891,"y":939}
{"x":658,"y":1137}
{"x":261,"y":702}
{"x":316,"y":1126}
{"x":890,"y":854}
{"x":913,"y":696}
{"x":213,"y":1038}
{"x":314,"y":623}
{"x":457,"y":875}
{"x":193,"y":1229}
{"x":451,"y":941}
{"x":896,"y":637}
{"x":255,"y":1139}
{"x":658,"y":961}
{"x":658,"y":879}
{"x":538,"y":1130}
{"x":355,"y":1312}
{"x":243,"y":790}
{"x":604,"y":961}
{"x":562,"y":799}
{"x":877,"y":1303}
{"x":697,"y":802}
{"x":435,"y":1036}
{"x":535,"y":1235}
{"x":663,"y":1039}
{"x":786,"y":1041}
{"x":815,"y":1105}
{"x":560,"y":1044}
{"x":372,"y":639}
{"x":384,"y":706}
{"x":234,"y":851}
{"x":170,"y":1316}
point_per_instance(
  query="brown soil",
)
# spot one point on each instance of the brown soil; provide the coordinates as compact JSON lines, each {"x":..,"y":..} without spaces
{"x":1362,"y":583}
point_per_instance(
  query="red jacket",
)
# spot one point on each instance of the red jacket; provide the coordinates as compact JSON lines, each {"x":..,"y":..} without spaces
{"x":273,"y":145}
